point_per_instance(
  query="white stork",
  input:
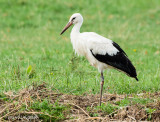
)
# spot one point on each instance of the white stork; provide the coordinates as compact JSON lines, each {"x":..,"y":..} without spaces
{"x":101,"y":52}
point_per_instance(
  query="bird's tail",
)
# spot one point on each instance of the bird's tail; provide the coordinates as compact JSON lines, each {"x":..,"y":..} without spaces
{"x":136,"y":78}
{"x":132,"y":70}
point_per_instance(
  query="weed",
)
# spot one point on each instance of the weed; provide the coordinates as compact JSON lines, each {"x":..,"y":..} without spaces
{"x":149,"y":111}
{"x":31,"y":71}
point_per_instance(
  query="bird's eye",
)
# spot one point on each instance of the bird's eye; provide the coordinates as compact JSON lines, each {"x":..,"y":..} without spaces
{"x":73,"y":18}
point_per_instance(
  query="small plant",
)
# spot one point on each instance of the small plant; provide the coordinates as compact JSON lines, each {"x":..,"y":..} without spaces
{"x":93,"y":114}
{"x":88,"y":109}
{"x":31,"y":71}
{"x":149,"y":112}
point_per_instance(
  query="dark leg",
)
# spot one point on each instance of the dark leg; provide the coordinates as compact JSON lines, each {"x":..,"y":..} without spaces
{"x":102,"y":82}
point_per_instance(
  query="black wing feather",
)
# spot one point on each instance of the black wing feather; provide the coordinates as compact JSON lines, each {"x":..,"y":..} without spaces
{"x":119,"y":61}
{"x":118,"y":47}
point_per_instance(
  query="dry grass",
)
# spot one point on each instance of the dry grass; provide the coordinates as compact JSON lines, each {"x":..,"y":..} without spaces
{"x":78,"y":106}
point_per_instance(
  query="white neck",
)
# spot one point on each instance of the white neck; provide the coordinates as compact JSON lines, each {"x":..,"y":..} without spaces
{"x":74,"y":37}
{"x":76,"y":28}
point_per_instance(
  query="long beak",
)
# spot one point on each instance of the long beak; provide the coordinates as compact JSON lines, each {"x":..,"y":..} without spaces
{"x":66,"y":27}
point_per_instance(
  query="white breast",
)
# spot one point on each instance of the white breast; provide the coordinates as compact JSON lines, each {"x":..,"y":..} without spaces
{"x":78,"y":45}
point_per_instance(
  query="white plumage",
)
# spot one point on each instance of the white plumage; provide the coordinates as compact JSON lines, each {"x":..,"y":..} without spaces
{"x":99,"y":45}
{"x":84,"y":42}
{"x":101,"y":52}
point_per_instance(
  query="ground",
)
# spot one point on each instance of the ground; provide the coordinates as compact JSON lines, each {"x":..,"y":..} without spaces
{"x":33,"y":52}
{"x":40,"y":103}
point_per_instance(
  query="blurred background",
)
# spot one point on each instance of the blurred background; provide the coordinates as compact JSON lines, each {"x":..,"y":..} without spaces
{"x":32,"y":50}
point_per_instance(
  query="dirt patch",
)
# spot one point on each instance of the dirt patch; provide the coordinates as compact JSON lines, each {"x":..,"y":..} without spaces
{"x":82,"y":108}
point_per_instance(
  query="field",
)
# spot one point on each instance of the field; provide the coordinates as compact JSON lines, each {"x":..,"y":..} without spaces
{"x":33,"y":54}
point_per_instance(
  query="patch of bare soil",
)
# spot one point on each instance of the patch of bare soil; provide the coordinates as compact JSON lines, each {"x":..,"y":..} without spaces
{"x":79,"y":105}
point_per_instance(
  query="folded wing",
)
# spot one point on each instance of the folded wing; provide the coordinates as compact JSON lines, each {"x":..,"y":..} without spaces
{"x":114,"y":56}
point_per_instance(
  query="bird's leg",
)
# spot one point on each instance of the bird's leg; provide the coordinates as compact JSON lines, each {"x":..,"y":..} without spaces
{"x":102,"y":82}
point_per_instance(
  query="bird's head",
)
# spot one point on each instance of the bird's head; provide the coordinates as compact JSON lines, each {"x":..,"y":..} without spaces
{"x":74,"y":19}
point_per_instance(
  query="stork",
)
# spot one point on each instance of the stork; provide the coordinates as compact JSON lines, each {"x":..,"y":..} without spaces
{"x":101,"y":52}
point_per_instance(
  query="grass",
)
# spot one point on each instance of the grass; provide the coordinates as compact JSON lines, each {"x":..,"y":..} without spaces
{"x":56,"y":110}
{"x":105,"y":108}
{"x":108,"y":108}
{"x":32,"y":50}
{"x":127,"y":101}
{"x":41,"y":103}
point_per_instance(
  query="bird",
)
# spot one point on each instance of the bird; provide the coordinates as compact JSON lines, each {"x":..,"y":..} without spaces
{"x":102,"y":53}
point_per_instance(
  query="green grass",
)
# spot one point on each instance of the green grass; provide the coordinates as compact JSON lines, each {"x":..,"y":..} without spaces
{"x":127,"y":101}
{"x":32,"y":50}
{"x":56,"y":111}
{"x":107,"y":108}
